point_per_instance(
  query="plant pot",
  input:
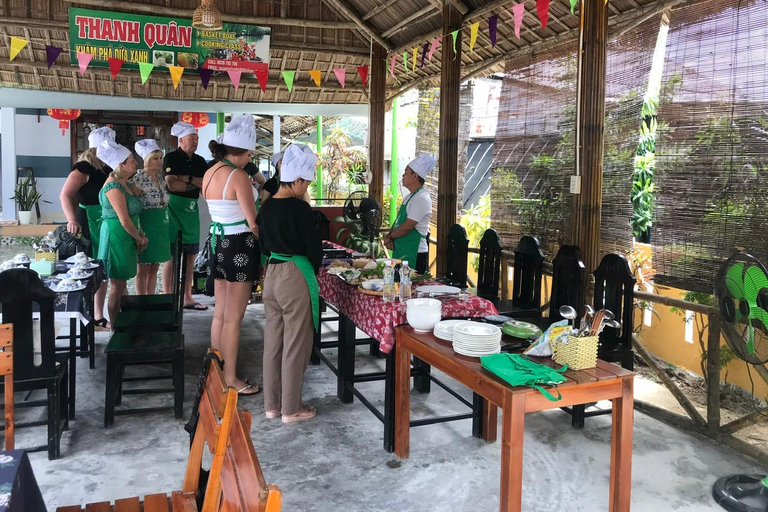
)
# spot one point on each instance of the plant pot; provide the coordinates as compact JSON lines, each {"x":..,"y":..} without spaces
{"x":25,"y":218}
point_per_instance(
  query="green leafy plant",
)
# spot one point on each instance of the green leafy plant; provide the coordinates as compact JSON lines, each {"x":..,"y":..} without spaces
{"x":643,"y":193}
{"x":26,"y":196}
{"x":351,"y":236}
{"x":475,"y":221}
{"x":344,"y":169}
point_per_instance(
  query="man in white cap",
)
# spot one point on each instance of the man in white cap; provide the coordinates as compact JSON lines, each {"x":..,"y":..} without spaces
{"x":408,"y":238}
{"x":184,"y":175}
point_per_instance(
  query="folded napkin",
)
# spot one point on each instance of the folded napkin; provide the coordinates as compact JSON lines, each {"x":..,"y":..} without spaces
{"x":518,"y":370}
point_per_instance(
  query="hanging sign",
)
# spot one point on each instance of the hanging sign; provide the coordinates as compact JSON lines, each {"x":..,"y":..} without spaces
{"x":165,"y":42}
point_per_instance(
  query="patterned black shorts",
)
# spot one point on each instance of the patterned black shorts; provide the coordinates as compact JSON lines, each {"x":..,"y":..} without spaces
{"x":237,"y":258}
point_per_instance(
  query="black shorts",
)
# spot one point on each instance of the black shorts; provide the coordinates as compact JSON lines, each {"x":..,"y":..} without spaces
{"x":237,"y":258}
{"x":188,"y":248}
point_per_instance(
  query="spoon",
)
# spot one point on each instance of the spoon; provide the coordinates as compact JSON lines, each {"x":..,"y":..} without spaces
{"x":569,"y":314}
{"x":589,"y":313}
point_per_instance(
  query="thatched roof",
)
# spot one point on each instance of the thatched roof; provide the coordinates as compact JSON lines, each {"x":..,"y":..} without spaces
{"x":320,"y":35}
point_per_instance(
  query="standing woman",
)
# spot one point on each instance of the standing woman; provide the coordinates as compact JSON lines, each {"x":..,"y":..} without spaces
{"x":291,"y":298}
{"x":121,"y":239}
{"x":80,"y":201}
{"x":227,"y":190}
{"x":154,"y":215}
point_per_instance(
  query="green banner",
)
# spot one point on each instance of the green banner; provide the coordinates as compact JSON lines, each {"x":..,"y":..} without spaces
{"x":163,"y":42}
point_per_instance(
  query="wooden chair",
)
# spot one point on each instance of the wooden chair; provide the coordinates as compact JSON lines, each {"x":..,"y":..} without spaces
{"x":458,"y":250}
{"x":567,"y":282}
{"x":161,"y":301}
{"x":6,"y":370}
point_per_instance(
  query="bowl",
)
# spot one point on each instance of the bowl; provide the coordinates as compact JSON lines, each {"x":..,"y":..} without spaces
{"x":82,"y":265}
{"x":81,"y":257}
{"x":422,"y":321}
{"x":78,"y":273}
{"x":8,"y":264}
{"x":21,"y":259}
{"x":68,"y":284}
{"x":373,"y":284}
{"x":423,"y":304}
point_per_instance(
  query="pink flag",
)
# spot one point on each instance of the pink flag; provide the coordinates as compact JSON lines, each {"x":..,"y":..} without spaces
{"x":433,"y":47}
{"x":392,"y":65}
{"x":341,"y":76}
{"x":518,"y":10}
{"x":234,"y":75}
{"x":542,"y":7}
{"x":83,"y":59}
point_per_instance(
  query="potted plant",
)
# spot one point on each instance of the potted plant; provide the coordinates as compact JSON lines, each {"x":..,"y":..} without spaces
{"x":26,"y":197}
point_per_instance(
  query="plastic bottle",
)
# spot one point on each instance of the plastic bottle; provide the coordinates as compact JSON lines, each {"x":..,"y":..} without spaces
{"x":405,"y":282}
{"x":389,"y":283}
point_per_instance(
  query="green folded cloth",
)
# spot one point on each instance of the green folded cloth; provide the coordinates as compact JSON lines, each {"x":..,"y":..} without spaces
{"x":518,"y":370}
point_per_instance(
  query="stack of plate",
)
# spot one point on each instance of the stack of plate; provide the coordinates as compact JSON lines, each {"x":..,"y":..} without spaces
{"x":444,"y":329}
{"x":475,"y":339}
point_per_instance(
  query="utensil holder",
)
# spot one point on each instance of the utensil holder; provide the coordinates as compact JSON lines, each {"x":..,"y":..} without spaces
{"x":579,"y":353}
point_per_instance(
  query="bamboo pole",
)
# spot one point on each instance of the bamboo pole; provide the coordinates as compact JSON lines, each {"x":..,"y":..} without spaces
{"x":675,"y":303}
{"x":756,"y":417}
{"x":376,"y":132}
{"x":713,"y":374}
{"x":394,"y":166}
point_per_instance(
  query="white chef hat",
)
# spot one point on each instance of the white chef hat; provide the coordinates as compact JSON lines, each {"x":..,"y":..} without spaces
{"x":240,"y":132}
{"x":99,"y":135}
{"x":299,"y":161}
{"x":112,"y":153}
{"x":145,"y":146}
{"x":182,"y":129}
{"x":220,"y":138}
{"x":422,"y":164}
{"x":276,"y":158}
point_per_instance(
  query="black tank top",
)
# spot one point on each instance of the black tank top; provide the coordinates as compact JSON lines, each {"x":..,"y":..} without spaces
{"x":89,"y":193}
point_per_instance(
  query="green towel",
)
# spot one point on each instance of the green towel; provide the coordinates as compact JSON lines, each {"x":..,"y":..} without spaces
{"x":520,"y":371}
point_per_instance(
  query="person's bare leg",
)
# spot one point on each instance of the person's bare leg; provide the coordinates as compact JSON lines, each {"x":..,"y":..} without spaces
{"x":168,"y":277}
{"x":113,"y":306}
{"x":141,"y":280}
{"x":150,"y":283}
{"x":188,"y":299}
{"x":98,"y":302}
{"x":220,"y":295}
{"x":229,"y":342}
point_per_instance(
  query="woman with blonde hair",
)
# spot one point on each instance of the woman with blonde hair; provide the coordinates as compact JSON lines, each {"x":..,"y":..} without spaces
{"x":154,"y":218}
{"x":121,"y":240}
{"x":80,"y":201}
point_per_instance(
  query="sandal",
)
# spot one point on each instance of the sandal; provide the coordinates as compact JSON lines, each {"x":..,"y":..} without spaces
{"x":196,"y":306}
{"x":240,"y":392}
{"x":273,"y":414}
{"x":304,"y":413}
{"x":101,"y":324}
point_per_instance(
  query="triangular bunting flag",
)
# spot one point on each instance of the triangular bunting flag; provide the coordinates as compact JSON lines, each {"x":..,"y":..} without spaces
{"x":405,"y":61}
{"x":52,"y":53}
{"x":205,"y":76}
{"x":424,"y":54}
{"x":176,"y":72}
{"x":433,"y":47}
{"x":17,"y":44}
{"x":83,"y":59}
{"x":473,"y":35}
{"x":288,"y":77}
{"x":316,"y":74}
{"x":341,"y":76}
{"x":518,"y":10}
{"x":145,"y":68}
{"x":392,"y":62}
{"x":542,"y":7}
{"x":573,"y":5}
{"x":455,"y":35}
{"x":492,"y":26}
{"x":234,"y":76}
{"x":413,"y":59}
{"x":262,"y":75}
{"x":363,"y":72}
{"x":114,"y":66}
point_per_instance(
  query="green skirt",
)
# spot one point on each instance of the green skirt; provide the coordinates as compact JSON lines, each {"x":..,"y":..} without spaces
{"x":154,"y":223}
{"x":117,"y":249}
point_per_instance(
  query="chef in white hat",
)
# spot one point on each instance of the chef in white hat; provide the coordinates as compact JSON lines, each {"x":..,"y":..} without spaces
{"x":154,"y":215}
{"x":184,"y":171}
{"x":408,"y":238}
{"x":80,"y":202}
{"x":272,"y":185}
{"x":291,"y":299}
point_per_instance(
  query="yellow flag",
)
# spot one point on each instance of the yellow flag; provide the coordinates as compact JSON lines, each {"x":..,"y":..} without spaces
{"x":315,"y":74}
{"x":473,"y":35}
{"x":17,"y":44}
{"x":413,"y":60}
{"x":176,"y":72}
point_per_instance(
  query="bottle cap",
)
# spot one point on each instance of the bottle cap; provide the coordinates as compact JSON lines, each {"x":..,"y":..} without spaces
{"x":405,"y":263}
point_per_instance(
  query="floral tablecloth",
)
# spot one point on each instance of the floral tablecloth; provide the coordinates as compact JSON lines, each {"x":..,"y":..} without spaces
{"x":377,"y":318}
{"x":18,"y":487}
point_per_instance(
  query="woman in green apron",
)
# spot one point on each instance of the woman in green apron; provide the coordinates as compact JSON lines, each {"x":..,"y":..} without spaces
{"x":154,"y":215}
{"x":291,"y":299}
{"x":121,"y":239}
{"x":80,"y":202}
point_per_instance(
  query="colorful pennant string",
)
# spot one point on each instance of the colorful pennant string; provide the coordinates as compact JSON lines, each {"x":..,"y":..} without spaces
{"x":424,"y":51}
{"x":473,"y":30}
{"x":288,"y":77}
{"x":176,"y":72}
{"x":17,"y":44}
{"x":542,"y":8}
{"x":341,"y":76}
{"x":145,"y":68}
{"x":234,"y":76}
{"x":52,"y":53}
{"x":492,"y":28}
{"x":363,"y":72}
{"x":205,"y":76}
{"x":83,"y":59}
{"x":433,"y":47}
{"x":518,"y":11}
{"x":262,"y":75}
{"x":316,"y":74}
{"x":114,"y":66}
{"x":573,"y":5}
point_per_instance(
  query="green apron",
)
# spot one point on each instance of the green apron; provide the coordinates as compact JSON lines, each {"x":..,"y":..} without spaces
{"x":154,"y":223}
{"x":518,"y":370}
{"x":119,"y":250}
{"x":184,"y":216}
{"x":93,"y":212}
{"x":217,"y":229}
{"x":407,"y":246}
{"x":309,"y":276}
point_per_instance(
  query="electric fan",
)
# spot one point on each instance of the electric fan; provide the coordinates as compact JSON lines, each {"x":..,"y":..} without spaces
{"x":741,"y":291}
{"x":363,"y":210}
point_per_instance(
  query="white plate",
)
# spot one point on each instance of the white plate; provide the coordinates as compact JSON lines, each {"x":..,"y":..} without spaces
{"x":81,"y":287}
{"x":448,"y":325}
{"x":477,"y":329}
{"x":71,"y":259}
{"x":87,"y":267}
{"x":86,"y":276}
{"x":438,"y":288}
{"x":472,"y":353}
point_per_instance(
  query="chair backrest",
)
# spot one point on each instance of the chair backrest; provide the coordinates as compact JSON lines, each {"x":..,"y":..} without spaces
{"x":6,"y":370}
{"x":526,"y":284}
{"x":615,"y":290}
{"x":489,"y":267}
{"x":323,"y":224}
{"x":178,"y":259}
{"x":20,"y":288}
{"x":179,"y":284}
{"x":567,"y":281}
{"x":458,"y":249}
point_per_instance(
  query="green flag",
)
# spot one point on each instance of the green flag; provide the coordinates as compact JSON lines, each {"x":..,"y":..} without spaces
{"x":573,"y":5}
{"x":288,"y":79}
{"x":455,"y":35}
{"x":145,"y":68}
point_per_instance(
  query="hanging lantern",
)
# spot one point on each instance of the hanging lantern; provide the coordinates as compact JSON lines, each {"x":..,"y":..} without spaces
{"x":196,"y":119}
{"x":141,"y":130}
{"x":64,"y":116}
{"x":207,"y":16}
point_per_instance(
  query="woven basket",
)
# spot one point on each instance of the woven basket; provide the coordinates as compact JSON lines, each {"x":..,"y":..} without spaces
{"x":579,"y":353}
{"x":45,"y":256}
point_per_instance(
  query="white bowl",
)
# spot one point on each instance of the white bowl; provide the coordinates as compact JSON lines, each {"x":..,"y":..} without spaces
{"x":81,"y":257}
{"x":78,"y":273}
{"x":373,"y":284}
{"x":68,"y":284}
{"x":8,"y":264}
{"x":423,"y":304}
{"x":422,"y":321}
{"x":21,"y":258}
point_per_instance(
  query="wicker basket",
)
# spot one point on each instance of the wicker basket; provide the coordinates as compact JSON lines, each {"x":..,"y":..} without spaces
{"x":45,"y":256}
{"x":579,"y":353}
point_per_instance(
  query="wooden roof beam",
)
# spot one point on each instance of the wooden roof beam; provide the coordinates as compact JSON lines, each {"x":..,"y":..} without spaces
{"x":381,"y":8}
{"x":344,"y":9}
{"x":430,"y":10}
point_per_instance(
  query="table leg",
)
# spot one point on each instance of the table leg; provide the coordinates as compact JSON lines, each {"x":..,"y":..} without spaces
{"x":402,"y":377}
{"x":347,"y":330}
{"x":389,"y":401}
{"x":421,"y":381}
{"x":513,"y":426}
{"x":621,"y":449}
{"x":72,"y":365}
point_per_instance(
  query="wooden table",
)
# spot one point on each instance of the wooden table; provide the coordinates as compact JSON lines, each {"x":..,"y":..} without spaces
{"x":606,"y":381}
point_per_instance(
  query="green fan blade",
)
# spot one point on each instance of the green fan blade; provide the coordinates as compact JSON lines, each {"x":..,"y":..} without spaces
{"x":754,"y":281}
{"x":734,"y":281}
{"x":750,"y":339}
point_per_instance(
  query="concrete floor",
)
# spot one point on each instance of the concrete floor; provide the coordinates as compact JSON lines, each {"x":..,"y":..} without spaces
{"x":336,"y":461}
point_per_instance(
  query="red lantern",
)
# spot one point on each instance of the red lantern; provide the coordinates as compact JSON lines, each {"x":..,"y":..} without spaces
{"x":196,"y":119}
{"x":64,"y":116}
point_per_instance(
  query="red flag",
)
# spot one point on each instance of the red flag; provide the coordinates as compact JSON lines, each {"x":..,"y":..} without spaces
{"x":262,"y":75}
{"x":114,"y":66}
{"x":363,"y":72}
{"x":542,"y":7}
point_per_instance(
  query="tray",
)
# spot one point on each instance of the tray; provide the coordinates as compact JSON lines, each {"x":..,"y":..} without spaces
{"x":375,"y":293}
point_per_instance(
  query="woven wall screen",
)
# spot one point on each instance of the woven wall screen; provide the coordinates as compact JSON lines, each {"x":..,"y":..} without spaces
{"x":712,"y":148}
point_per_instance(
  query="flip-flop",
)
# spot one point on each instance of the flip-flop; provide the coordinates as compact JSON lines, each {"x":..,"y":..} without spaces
{"x":196,"y":306}
{"x":272,"y":414}
{"x":249,"y":386}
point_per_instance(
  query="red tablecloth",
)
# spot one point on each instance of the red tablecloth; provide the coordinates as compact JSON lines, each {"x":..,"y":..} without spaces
{"x":377,"y":318}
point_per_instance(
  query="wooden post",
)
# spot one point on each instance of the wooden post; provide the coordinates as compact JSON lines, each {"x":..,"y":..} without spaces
{"x":590,"y":122}
{"x":713,"y":374}
{"x":376,"y":127}
{"x":447,"y":181}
